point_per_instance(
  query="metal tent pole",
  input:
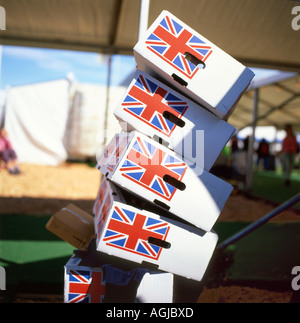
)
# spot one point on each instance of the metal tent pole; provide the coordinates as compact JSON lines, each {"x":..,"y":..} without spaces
{"x":144,"y":15}
{"x":108,"y":82}
{"x":255,"y":225}
{"x":110,"y":51}
{"x":249,"y":169}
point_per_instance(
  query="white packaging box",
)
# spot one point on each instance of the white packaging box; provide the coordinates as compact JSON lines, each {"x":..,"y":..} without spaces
{"x":150,"y":170}
{"x":109,"y":156}
{"x":156,"y":110}
{"x":155,"y":287}
{"x":83,"y":283}
{"x":88,"y":284}
{"x":103,"y":203}
{"x":191,"y":63}
{"x":99,"y":198}
{"x":145,"y":237}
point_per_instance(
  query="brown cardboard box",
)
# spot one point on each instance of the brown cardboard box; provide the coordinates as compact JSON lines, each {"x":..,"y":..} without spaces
{"x":72,"y":225}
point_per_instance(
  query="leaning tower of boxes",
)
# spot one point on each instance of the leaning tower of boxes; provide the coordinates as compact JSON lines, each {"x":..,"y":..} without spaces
{"x":158,"y":201}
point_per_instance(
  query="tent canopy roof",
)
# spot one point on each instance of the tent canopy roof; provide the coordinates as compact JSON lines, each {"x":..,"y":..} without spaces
{"x":278,"y":105}
{"x":257,"y":33}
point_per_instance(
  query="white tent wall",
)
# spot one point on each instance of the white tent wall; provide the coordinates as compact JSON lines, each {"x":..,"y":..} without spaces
{"x":51,"y":122}
{"x":113,"y":126}
{"x":84,"y":121}
{"x":85,"y":126}
{"x":2,"y":105}
{"x":35,"y":119}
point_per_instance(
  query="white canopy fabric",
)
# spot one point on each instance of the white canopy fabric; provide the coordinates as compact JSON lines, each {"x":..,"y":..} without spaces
{"x":53,"y":121}
{"x":88,"y":129}
{"x":35,"y":120}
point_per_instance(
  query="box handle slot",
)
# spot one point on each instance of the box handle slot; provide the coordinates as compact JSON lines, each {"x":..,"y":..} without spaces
{"x":171,"y":117}
{"x":161,"y":204}
{"x":179,"y":80}
{"x":161,"y":141}
{"x":159,"y":242}
{"x":174,"y":182}
{"x":194,"y":60}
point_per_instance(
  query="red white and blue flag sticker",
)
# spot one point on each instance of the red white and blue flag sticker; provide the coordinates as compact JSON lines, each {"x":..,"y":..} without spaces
{"x":130,"y":231}
{"x":171,"y":41}
{"x":104,"y":213}
{"x":86,"y":286}
{"x":107,"y":153}
{"x":120,"y":144}
{"x":146,"y":165}
{"x":147,"y":101}
{"x":100,"y":197}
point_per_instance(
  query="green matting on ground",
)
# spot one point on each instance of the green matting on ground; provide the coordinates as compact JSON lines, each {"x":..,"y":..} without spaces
{"x":270,"y":186}
{"x":267,"y":254}
{"x":31,"y":254}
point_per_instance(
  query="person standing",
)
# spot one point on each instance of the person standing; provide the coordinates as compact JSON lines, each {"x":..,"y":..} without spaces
{"x":288,"y":153}
{"x":263,"y":153}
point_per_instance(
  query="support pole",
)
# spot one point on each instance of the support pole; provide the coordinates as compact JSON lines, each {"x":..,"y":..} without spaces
{"x":255,"y":225}
{"x":249,"y":169}
{"x":107,"y":98}
{"x":144,"y":15}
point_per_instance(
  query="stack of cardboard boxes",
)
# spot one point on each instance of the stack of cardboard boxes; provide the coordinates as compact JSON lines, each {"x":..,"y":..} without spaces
{"x":158,"y":201}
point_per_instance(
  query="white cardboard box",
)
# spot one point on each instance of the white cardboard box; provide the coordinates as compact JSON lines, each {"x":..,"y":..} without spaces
{"x":109,"y":156}
{"x":161,"y":52}
{"x":142,"y":236}
{"x":87,"y":283}
{"x":156,"y":110}
{"x":150,"y":170}
{"x":155,"y":288}
{"x":83,"y":283}
{"x":99,"y":198}
{"x":103,"y":203}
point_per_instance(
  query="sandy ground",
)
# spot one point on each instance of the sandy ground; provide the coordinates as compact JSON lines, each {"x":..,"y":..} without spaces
{"x":45,"y":190}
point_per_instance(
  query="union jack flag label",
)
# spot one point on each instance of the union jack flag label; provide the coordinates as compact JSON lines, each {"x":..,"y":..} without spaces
{"x":104,"y":158}
{"x":108,"y":158}
{"x":120,"y":145}
{"x":171,"y":41}
{"x":146,"y":165}
{"x":147,"y":101}
{"x":100,"y":197}
{"x":85,"y":286}
{"x":130,"y":231}
{"x":104,"y":212}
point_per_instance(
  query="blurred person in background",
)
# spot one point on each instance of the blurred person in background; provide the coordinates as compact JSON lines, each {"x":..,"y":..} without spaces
{"x":7,"y":153}
{"x":288,"y":153}
{"x":263,"y":153}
